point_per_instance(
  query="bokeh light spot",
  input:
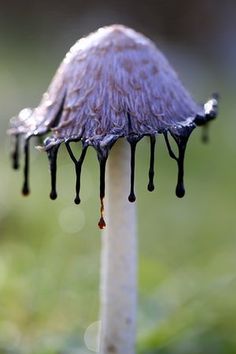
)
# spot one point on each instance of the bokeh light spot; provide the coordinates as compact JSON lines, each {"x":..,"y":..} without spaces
{"x":92,"y":335}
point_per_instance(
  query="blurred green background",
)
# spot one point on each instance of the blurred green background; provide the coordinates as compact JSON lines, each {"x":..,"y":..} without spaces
{"x":49,"y":251}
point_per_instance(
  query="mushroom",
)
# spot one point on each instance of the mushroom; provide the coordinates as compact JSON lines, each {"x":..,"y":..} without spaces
{"x":113,"y":84}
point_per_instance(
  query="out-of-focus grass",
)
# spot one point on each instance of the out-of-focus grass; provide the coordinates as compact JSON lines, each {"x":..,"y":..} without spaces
{"x":49,"y":251}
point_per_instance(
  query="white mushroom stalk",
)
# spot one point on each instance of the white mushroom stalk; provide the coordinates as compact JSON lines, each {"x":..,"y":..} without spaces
{"x":118,"y":262}
{"x":114,"y":83}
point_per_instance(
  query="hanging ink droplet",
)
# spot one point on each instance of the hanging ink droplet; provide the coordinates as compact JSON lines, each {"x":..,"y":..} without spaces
{"x":78,"y":167}
{"x":77,"y":200}
{"x":180,"y":191}
{"x":170,"y":151}
{"x":25,"y":188}
{"x":181,"y":143}
{"x":101,"y":222}
{"x":132,"y":196}
{"x":15,"y":153}
{"x":102,"y":163}
{"x":52,"y":156}
{"x":151,"y":186}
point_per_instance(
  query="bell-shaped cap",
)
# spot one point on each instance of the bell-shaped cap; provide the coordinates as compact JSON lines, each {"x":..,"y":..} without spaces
{"x":114,"y":83}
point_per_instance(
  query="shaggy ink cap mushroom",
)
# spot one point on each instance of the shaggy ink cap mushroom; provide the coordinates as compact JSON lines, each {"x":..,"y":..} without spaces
{"x":112,"y":84}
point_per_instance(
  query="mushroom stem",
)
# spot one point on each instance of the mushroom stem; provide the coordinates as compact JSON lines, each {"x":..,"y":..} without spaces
{"x":119,"y":258}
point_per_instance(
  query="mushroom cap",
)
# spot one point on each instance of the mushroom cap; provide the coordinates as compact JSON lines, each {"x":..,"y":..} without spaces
{"x":113,"y":83}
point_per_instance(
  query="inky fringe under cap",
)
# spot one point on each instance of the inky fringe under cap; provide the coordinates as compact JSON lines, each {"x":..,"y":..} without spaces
{"x":112,"y":84}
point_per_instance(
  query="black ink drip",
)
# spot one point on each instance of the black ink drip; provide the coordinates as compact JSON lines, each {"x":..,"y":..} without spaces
{"x":102,"y":163}
{"x":180,"y":191}
{"x":52,"y":157}
{"x":132,"y":197}
{"x":25,"y":188}
{"x":151,"y":165}
{"x":78,"y":166}
{"x":78,"y":174}
{"x":181,"y":143}
{"x":15,"y":153}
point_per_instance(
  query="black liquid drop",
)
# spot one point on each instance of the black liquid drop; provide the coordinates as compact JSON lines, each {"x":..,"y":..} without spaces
{"x":180,"y":191}
{"x":78,"y":167}
{"x":151,"y":186}
{"x":77,"y":200}
{"x":170,"y":151}
{"x":52,"y":156}
{"x":25,"y":188}
{"x":102,"y":163}
{"x":15,"y":153}
{"x":72,"y":156}
{"x":181,"y":143}
{"x":132,"y":196}
{"x":101,"y":222}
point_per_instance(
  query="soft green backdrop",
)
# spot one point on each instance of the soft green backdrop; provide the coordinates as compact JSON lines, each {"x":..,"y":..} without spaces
{"x":49,"y":251}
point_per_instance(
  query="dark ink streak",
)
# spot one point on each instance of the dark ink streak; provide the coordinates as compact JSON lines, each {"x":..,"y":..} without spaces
{"x":25,"y":188}
{"x":102,"y":223}
{"x":102,"y":163}
{"x":78,"y":167}
{"x":132,"y":196}
{"x":15,"y":153}
{"x":170,"y":151}
{"x":181,"y":143}
{"x":180,"y":191}
{"x":52,"y":156}
{"x":130,"y":129}
{"x":72,"y":156}
{"x":151,"y":186}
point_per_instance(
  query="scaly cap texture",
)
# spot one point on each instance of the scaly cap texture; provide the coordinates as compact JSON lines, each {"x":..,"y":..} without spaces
{"x":113,"y":83}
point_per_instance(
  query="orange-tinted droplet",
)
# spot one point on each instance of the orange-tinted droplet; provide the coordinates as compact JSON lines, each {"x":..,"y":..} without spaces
{"x":101,"y":223}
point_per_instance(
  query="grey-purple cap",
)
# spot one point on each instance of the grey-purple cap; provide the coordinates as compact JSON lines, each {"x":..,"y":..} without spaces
{"x":114,"y":83}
